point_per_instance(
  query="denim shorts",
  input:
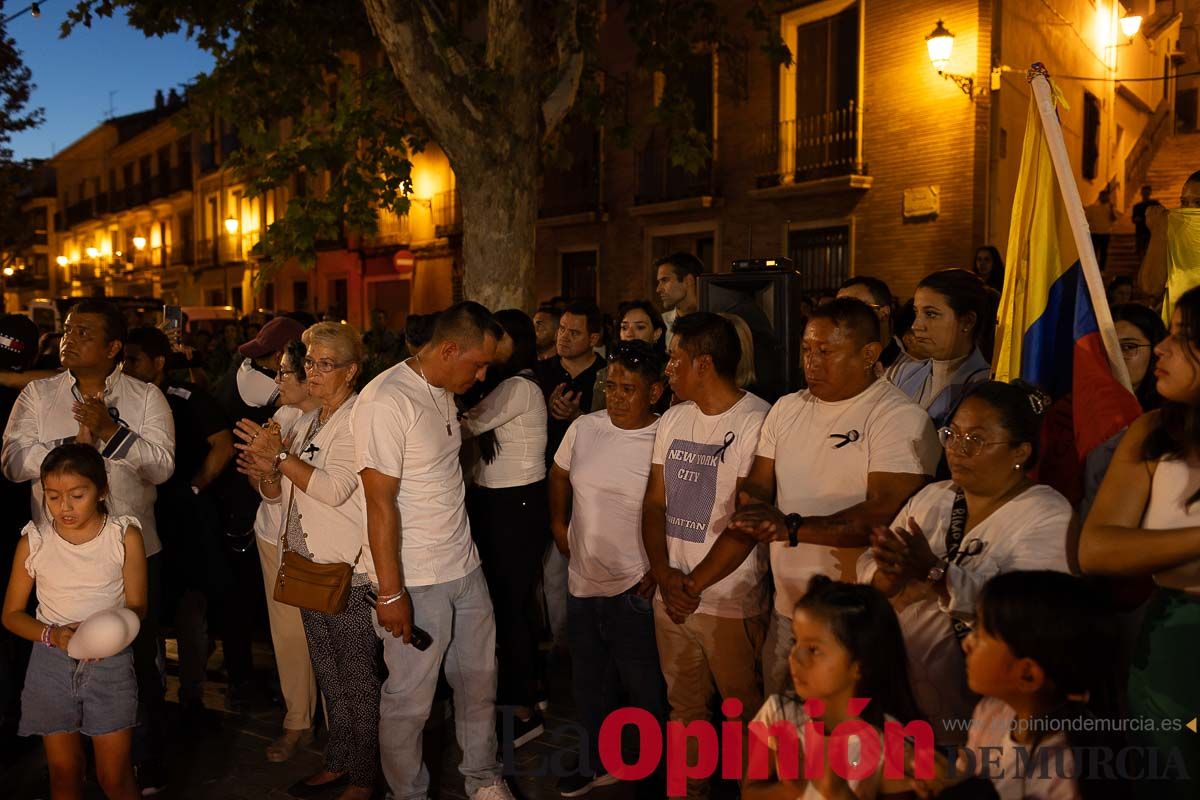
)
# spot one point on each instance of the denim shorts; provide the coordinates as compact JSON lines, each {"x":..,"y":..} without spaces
{"x":62,"y":695}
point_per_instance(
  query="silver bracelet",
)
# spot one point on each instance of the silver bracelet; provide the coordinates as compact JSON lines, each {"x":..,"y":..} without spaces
{"x":387,"y":600}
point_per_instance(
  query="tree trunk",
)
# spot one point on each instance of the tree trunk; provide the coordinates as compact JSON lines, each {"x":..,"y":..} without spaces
{"x":499,"y":209}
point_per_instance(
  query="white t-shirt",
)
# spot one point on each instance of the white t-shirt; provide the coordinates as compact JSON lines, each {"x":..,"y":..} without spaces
{"x":702,"y":458}
{"x":1027,"y":532}
{"x":609,"y":468}
{"x":823,"y":453}
{"x":1019,"y":772}
{"x":74,"y":581}
{"x":399,"y":427}
{"x":516,"y":411}
{"x":789,"y":711}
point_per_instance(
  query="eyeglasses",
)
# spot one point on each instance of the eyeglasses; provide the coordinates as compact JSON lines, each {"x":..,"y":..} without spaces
{"x":323,"y":366}
{"x":283,"y":373}
{"x":1130,"y":349}
{"x":968,"y":444}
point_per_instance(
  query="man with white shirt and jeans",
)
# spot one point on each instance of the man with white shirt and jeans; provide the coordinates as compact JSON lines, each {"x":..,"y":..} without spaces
{"x":833,"y":462}
{"x":597,"y":485}
{"x":702,"y":452}
{"x":426,"y":567}
{"x":93,"y":402}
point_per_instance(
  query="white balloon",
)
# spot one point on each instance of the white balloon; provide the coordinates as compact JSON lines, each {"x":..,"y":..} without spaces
{"x":104,"y":634}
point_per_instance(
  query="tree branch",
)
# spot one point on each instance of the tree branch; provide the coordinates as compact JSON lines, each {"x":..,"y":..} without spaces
{"x":435,"y":74}
{"x":558,"y":103}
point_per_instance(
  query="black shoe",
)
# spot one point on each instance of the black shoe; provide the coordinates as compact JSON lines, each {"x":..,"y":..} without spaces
{"x":579,"y":785}
{"x":304,"y":790}
{"x":151,"y":778}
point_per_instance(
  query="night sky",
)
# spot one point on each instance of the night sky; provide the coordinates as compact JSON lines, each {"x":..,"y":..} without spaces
{"x":75,"y":75}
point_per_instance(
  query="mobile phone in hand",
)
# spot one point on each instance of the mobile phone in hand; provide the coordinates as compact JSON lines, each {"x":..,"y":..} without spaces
{"x":173,"y":317}
{"x":418,"y":637}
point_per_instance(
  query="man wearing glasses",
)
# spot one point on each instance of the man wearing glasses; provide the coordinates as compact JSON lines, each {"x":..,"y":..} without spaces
{"x":833,"y":462}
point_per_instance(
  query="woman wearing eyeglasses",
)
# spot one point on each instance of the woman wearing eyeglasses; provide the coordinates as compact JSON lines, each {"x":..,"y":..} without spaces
{"x":1138,"y":329}
{"x":296,"y":681}
{"x":1146,"y":522}
{"x":954,"y":535}
{"x":314,"y":475}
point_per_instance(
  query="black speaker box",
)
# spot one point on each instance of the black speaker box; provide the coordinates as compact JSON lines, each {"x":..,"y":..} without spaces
{"x":769,"y":302}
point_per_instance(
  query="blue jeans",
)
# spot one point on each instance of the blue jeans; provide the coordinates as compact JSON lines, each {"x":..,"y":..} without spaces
{"x":613,"y":649}
{"x":458,"y":615}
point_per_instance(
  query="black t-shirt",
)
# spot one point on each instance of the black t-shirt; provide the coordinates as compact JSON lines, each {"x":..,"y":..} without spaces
{"x":238,"y":501}
{"x":197,"y":417}
{"x":1138,"y":215}
{"x":550,"y":374}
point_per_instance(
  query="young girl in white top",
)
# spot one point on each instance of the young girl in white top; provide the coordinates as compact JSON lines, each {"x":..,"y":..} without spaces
{"x":1040,"y":655}
{"x":848,"y":645}
{"x":82,"y":561}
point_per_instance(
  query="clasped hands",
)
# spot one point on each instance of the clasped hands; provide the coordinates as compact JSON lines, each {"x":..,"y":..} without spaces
{"x":564,"y":405}
{"x":95,"y":423}
{"x":902,"y":555}
{"x":259,"y":449}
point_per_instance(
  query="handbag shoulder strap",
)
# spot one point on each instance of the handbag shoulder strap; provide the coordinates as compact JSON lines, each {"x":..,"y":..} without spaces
{"x":283,"y":529}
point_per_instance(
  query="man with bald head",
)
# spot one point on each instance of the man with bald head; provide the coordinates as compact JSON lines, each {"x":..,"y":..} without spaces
{"x":833,"y":461}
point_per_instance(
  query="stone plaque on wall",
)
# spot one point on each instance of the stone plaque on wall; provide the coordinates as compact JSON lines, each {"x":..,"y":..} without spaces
{"x":922,"y":201}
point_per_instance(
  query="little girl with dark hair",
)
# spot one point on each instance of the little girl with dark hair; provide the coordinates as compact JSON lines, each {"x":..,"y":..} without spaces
{"x":848,"y":646}
{"x":82,"y":561}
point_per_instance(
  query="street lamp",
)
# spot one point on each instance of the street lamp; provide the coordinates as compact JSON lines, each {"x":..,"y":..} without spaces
{"x":139,"y":242}
{"x":92,"y":252}
{"x":62,"y":261}
{"x":940,"y":44}
{"x":231,"y":226}
{"x":1130,"y":25}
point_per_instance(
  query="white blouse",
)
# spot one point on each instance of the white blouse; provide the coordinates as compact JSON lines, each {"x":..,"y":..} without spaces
{"x":516,"y":411}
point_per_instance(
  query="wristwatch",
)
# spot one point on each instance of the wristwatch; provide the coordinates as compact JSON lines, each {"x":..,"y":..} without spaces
{"x":282,"y":457}
{"x":794,"y":521}
{"x":937,"y":572}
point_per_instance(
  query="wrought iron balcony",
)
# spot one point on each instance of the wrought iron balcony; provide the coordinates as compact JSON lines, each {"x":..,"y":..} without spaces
{"x":809,"y":148}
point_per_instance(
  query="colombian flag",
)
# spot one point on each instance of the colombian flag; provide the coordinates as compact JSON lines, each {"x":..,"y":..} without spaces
{"x":1052,"y":320}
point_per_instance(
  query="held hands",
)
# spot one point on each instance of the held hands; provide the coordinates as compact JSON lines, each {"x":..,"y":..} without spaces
{"x":761,"y":521}
{"x":646,"y":586}
{"x":92,"y":415}
{"x":564,"y":405}
{"x":677,"y":595}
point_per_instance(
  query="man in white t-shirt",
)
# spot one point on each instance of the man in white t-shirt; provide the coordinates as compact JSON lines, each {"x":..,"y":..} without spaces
{"x":702,"y":451}
{"x":597,"y":485}
{"x":833,"y":462}
{"x":426,"y":568}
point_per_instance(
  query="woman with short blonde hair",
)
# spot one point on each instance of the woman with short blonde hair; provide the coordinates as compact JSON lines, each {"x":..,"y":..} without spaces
{"x":314,"y":476}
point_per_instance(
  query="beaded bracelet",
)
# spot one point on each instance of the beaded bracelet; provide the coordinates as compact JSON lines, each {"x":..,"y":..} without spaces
{"x":47,"y":632}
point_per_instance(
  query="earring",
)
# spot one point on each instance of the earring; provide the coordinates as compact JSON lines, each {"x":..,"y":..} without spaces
{"x":1016,"y":467}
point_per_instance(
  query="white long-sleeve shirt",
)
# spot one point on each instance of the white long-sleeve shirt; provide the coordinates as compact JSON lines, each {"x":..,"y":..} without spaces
{"x":138,"y":457}
{"x":332,"y":509}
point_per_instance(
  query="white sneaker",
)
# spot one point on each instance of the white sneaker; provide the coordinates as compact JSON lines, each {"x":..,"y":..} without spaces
{"x":497,"y":791}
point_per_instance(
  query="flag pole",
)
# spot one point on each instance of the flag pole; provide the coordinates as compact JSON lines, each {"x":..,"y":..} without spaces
{"x":1079,"y":227}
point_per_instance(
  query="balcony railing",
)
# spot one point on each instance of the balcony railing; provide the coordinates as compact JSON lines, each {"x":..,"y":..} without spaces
{"x":206,"y":253}
{"x":181,"y":254}
{"x":79,"y":212}
{"x":447,"y":213}
{"x":392,"y":228}
{"x":660,"y":181}
{"x":809,"y":148}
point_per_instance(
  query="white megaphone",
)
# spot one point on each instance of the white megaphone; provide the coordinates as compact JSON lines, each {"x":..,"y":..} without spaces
{"x":104,"y":634}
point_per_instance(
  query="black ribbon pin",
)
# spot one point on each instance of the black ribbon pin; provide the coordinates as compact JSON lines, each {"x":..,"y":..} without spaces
{"x":310,"y":451}
{"x":844,"y":438}
{"x":720,"y":452}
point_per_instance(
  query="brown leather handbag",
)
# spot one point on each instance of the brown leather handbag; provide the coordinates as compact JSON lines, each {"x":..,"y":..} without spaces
{"x":304,"y":583}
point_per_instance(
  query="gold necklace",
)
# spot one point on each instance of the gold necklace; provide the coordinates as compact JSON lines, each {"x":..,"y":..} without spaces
{"x":428,"y":387}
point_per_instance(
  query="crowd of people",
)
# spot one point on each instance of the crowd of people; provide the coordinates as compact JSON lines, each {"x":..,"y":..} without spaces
{"x":439,"y":503}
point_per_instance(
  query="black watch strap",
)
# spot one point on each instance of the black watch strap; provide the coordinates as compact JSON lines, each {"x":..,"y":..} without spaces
{"x":794,"y":521}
